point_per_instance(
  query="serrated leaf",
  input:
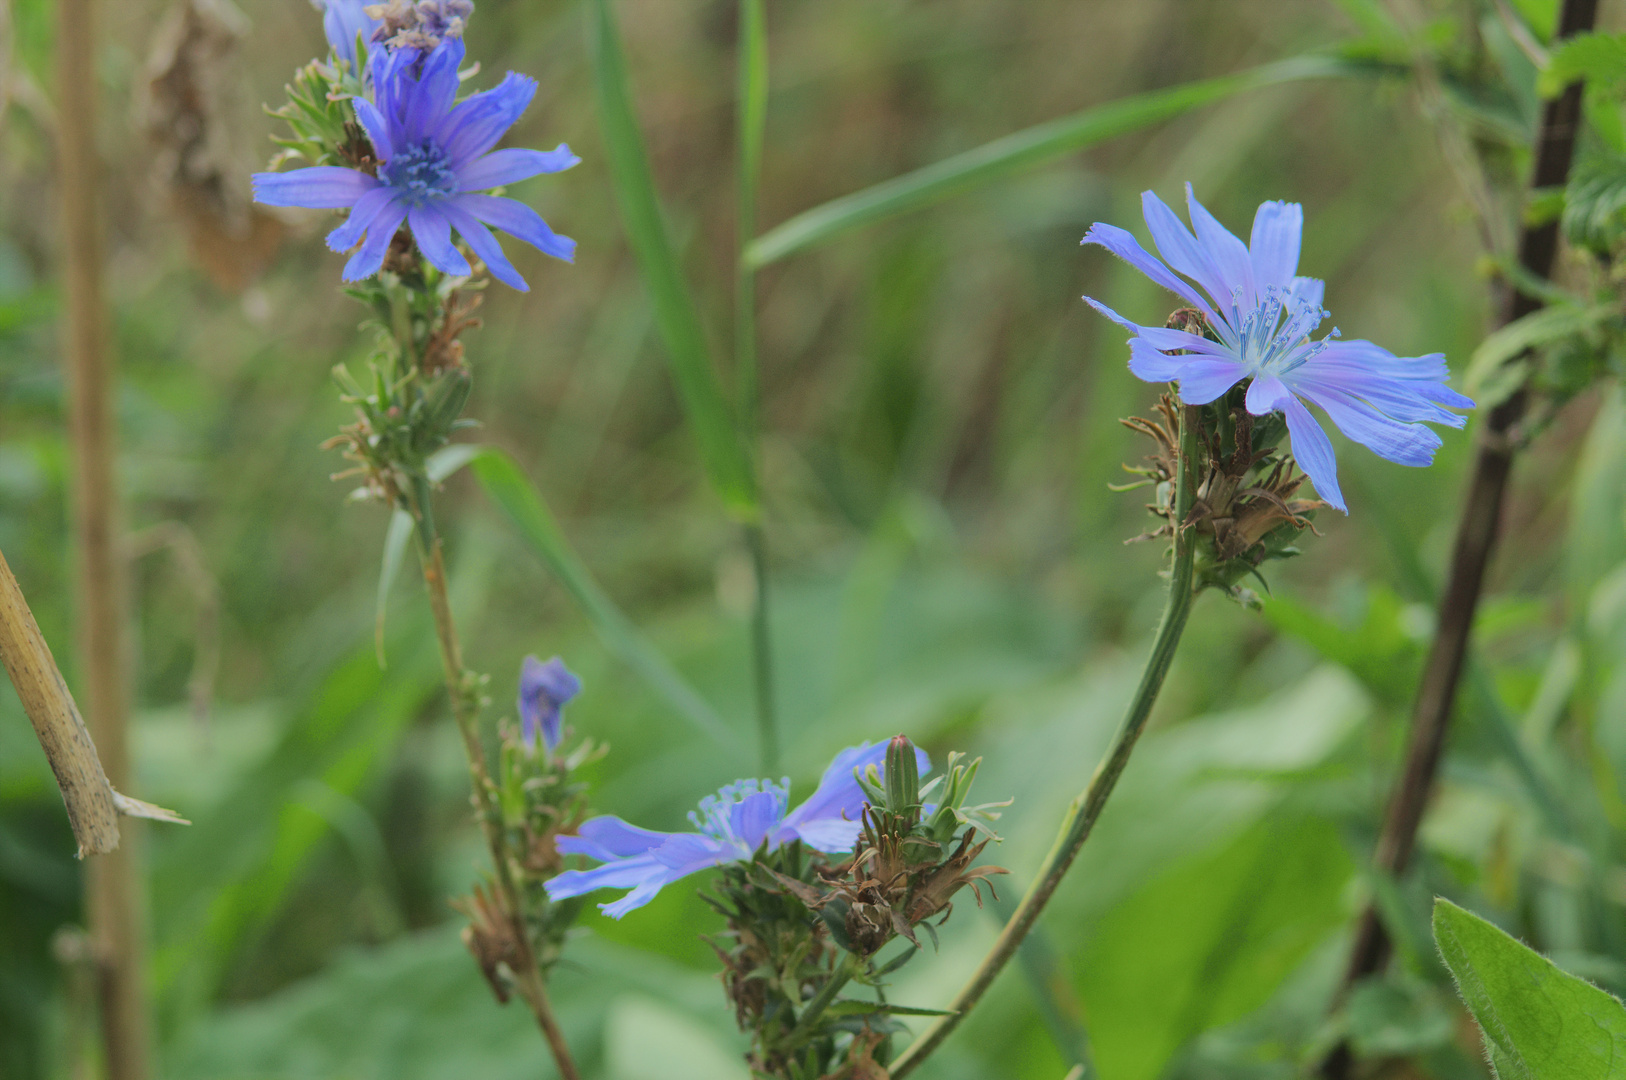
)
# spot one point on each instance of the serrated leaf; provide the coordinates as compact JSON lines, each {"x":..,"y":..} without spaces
{"x":1599,"y":58}
{"x":1539,"y":1022}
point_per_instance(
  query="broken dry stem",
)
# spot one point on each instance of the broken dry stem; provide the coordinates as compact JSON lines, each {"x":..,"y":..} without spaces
{"x":62,"y":732}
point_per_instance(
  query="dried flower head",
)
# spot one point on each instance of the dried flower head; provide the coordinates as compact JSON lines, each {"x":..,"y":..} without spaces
{"x":418,"y":24}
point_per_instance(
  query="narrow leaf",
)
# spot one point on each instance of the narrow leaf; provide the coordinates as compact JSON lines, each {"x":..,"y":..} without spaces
{"x":395,"y":545}
{"x":879,"y":1008}
{"x":1539,"y":1022}
{"x":1024,"y":150}
{"x":1512,"y":341}
{"x":675,"y":312}
{"x":503,"y":480}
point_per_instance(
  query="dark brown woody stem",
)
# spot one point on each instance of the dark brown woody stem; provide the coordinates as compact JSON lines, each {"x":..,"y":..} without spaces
{"x":1476,"y":538}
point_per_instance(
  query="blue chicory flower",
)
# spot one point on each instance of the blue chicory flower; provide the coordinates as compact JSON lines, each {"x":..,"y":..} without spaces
{"x":731,"y":824}
{"x":543,"y":691}
{"x":435,"y":158}
{"x":344,"y":21}
{"x":1263,"y":314}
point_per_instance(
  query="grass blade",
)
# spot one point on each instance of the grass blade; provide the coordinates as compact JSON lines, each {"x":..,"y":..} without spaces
{"x":675,"y":313}
{"x":1024,"y":150}
{"x":508,"y":487}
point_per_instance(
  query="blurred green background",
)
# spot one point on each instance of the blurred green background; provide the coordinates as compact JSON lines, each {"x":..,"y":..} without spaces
{"x":941,"y":426}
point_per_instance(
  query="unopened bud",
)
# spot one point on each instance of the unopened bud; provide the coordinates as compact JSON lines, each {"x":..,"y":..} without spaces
{"x":902,"y":775}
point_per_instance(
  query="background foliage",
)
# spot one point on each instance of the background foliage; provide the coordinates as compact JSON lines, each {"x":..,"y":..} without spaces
{"x":940,"y":415}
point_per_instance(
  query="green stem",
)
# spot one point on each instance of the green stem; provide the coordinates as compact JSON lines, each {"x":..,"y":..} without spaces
{"x":460,"y":685}
{"x":822,"y":1000}
{"x":752,"y":103}
{"x":762,"y":652}
{"x":1086,"y":808}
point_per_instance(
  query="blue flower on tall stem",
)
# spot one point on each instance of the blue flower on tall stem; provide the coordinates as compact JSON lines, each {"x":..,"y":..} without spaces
{"x":434,"y":159}
{"x":1263,"y":313}
{"x":733,"y":824}
{"x":544,"y":689}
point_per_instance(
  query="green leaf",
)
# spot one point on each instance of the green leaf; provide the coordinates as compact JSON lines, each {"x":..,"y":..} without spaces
{"x":1486,"y":379}
{"x":1023,"y":150}
{"x":396,"y":539}
{"x":1540,"y":1023}
{"x":879,"y":1008}
{"x":1599,"y":58}
{"x":506,"y":484}
{"x":1398,"y":1014}
{"x":698,"y":385}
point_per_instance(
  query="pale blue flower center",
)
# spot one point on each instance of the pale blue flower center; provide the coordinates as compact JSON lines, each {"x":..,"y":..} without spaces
{"x":422,"y":173}
{"x":1273,"y":338}
{"x":716,"y":817}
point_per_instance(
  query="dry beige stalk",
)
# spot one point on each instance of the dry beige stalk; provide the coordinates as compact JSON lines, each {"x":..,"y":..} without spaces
{"x":56,"y":721}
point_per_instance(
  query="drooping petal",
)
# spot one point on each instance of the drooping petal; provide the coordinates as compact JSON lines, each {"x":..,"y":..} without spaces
{"x":1165,"y":338}
{"x":519,"y":221}
{"x":614,"y":837}
{"x":1313,"y":451}
{"x":1204,"y":379}
{"x":376,"y":127}
{"x":362,"y":215}
{"x":484,"y":245}
{"x":321,"y":187}
{"x":1228,"y":254}
{"x":1278,"y":228}
{"x":830,"y":835}
{"x":475,"y":125}
{"x":637,"y":898}
{"x":690,"y":853}
{"x":1181,"y":250}
{"x":369,"y":258}
{"x":1265,"y":394}
{"x":434,"y":236}
{"x":1124,"y":245}
{"x":511,"y":166}
{"x":618,"y":874}
{"x":838,"y":797}
{"x":1403,"y":444}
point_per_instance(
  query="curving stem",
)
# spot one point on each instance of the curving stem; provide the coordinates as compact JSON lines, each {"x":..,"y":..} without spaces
{"x":1086,"y":808}
{"x":463,"y":688}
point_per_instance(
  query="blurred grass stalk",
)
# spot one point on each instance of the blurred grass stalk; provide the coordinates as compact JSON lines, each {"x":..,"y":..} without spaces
{"x":750,"y":120}
{"x":464,"y":689}
{"x":113,"y":898}
{"x":1086,"y":807}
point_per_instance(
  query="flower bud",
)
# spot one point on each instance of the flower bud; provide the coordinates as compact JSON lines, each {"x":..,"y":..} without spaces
{"x":902,"y":775}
